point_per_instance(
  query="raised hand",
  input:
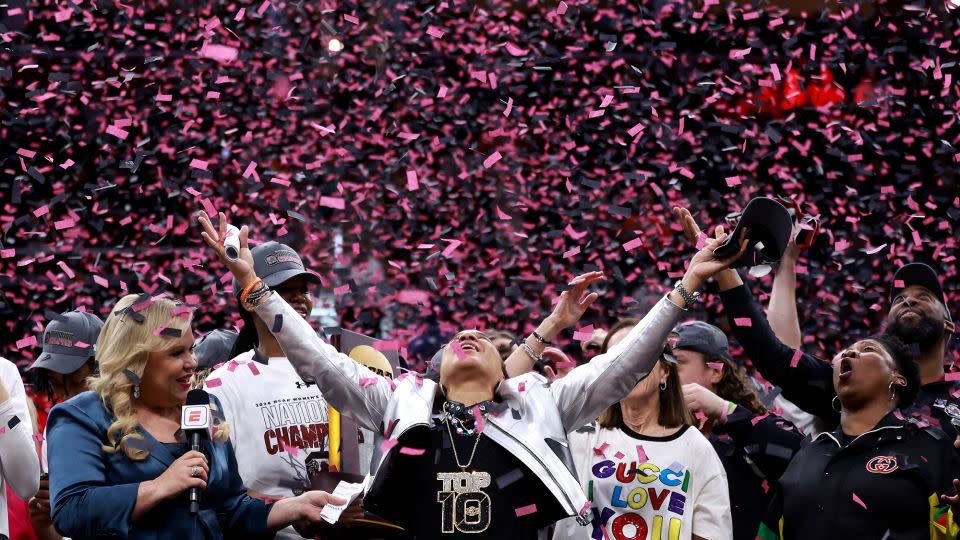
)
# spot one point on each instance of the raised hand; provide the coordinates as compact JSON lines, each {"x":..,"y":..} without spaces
{"x":701,"y":399}
{"x":573,"y":304}
{"x":242,"y":267}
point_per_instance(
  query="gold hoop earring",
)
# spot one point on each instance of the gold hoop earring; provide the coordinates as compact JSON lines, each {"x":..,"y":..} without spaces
{"x":893,"y":393}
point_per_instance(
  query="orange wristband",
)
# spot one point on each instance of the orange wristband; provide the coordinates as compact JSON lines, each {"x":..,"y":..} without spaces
{"x":249,"y":288}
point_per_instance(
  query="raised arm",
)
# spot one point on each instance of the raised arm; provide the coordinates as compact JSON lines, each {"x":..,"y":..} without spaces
{"x":589,"y":389}
{"x":569,"y":308}
{"x":782,"y":310}
{"x":354,"y":390}
{"x":19,"y":464}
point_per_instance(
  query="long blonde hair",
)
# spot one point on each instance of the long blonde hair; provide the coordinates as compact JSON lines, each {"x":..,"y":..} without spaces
{"x":132,"y":331}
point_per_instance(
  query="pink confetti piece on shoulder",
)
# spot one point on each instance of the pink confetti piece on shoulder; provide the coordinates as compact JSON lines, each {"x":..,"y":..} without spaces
{"x":619,"y":455}
{"x":601,"y":450}
{"x":367,"y":381}
{"x":522,"y":386}
{"x":388,"y":445}
{"x":743,"y":321}
{"x":3,"y":430}
{"x":858,"y":500}
{"x":252,"y":366}
{"x":641,"y":454}
{"x":526,"y":510}
{"x":213,"y":383}
{"x":491,"y":159}
{"x":757,"y":419}
{"x":407,"y":451}
{"x":797,"y":355}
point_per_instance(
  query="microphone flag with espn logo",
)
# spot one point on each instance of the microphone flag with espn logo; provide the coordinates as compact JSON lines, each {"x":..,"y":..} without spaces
{"x":195,"y":415}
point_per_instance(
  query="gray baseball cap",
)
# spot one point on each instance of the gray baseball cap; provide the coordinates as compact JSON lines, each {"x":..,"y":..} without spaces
{"x":276,"y":263}
{"x":703,"y":338}
{"x":214,"y":348}
{"x":69,"y":341}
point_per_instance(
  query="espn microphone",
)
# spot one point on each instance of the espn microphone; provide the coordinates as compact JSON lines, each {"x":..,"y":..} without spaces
{"x":231,"y":243}
{"x":195,"y":421}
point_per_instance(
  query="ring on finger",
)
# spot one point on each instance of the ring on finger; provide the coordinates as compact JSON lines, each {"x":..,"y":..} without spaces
{"x":195,"y":471}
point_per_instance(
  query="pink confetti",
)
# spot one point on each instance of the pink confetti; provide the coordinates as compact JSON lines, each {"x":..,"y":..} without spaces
{"x":857,"y":500}
{"x":526,"y":510}
{"x":117,"y":132}
{"x":641,"y":454}
{"x":715,"y":365}
{"x":743,"y":321}
{"x":491,"y":159}
{"x":387,"y":444}
{"x":213,"y":383}
{"x":600,"y":450}
{"x":633,"y":244}
{"x":38,"y":437}
{"x":797,"y":355}
{"x":332,"y":202}
{"x":954,"y":376}
{"x":29,"y":341}
{"x":252,"y":366}
{"x":562,"y":8}
{"x":367,"y":381}
{"x":220,"y":53}
{"x":407,"y":451}
{"x":292,"y":450}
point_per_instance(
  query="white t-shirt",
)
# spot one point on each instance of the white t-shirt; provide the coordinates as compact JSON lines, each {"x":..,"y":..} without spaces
{"x":19,"y":464}
{"x":652,"y":488}
{"x":277,"y":421}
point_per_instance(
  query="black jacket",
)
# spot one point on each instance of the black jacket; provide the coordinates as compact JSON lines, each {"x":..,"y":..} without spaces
{"x":884,"y":484}
{"x":755,"y":450}
{"x":810,"y":383}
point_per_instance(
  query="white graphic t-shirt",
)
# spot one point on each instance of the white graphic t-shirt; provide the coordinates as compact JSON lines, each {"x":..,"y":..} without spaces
{"x":278,"y":422}
{"x":649,"y":488}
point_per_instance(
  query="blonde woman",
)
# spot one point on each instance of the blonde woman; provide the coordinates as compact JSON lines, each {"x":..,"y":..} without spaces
{"x":117,"y":466}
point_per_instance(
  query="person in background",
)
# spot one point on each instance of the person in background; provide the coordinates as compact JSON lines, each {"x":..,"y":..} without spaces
{"x":918,"y":316}
{"x":877,"y":475}
{"x":62,"y":370}
{"x":754,"y":445}
{"x":212,"y":350}
{"x":19,"y":466}
{"x":504,"y":341}
{"x":647,"y":472}
{"x":277,"y":418}
{"x":117,"y":466}
{"x":18,"y":513}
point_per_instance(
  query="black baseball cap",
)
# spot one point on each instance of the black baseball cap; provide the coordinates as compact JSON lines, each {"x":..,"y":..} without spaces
{"x":703,"y":338}
{"x":917,"y":274}
{"x":770,"y":227}
{"x":214,"y":348}
{"x":276,"y":263}
{"x":69,"y":341}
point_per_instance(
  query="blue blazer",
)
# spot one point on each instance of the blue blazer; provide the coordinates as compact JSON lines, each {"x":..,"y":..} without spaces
{"x":93,"y":493}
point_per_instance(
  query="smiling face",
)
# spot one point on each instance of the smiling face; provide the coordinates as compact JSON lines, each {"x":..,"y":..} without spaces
{"x":166,"y":376}
{"x":692,"y":368}
{"x":471,"y":354}
{"x":917,"y":316}
{"x":863,"y":373}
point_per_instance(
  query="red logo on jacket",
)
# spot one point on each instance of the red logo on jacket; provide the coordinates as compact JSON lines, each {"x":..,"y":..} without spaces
{"x":882,"y":465}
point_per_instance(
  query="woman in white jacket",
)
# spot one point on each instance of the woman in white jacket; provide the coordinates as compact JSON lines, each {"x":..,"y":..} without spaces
{"x":19,"y":463}
{"x":478,"y":455}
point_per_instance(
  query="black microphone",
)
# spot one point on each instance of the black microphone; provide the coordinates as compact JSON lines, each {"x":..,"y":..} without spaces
{"x":196,"y":425}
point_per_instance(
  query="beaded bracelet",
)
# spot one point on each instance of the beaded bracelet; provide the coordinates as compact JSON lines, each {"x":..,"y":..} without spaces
{"x":246,"y":290}
{"x":727,"y":409}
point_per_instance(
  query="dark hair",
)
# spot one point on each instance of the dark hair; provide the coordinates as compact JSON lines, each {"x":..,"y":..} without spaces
{"x":247,"y":340}
{"x":673,"y":410}
{"x":629,"y":322}
{"x":40,"y":379}
{"x":904,"y":356}
{"x":733,"y":386}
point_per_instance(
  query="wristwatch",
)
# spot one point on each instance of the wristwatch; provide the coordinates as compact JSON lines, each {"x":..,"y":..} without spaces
{"x":690,"y":299}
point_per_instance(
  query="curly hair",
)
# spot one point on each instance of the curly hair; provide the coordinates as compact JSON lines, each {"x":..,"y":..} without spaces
{"x":733,"y":386}
{"x":125,"y":343}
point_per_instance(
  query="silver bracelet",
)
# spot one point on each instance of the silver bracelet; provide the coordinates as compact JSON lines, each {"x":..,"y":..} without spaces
{"x":689,"y":299}
{"x":537,"y":359}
